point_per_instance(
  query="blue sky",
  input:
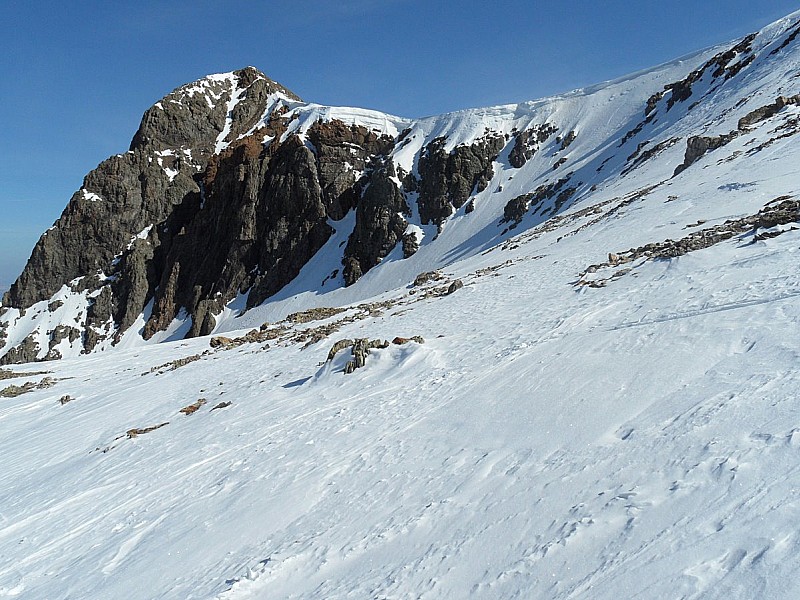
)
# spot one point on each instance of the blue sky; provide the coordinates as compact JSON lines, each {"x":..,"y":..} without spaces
{"x":78,"y":76}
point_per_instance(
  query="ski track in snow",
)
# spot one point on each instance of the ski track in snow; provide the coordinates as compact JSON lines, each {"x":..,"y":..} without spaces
{"x":547,"y":440}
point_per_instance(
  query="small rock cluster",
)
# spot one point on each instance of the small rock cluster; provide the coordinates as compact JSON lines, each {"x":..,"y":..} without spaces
{"x":6,"y":374}
{"x":360,"y":349}
{"x":193,"y":408}
{"x":781,"y":211}
{"x":12,"y":391}
{"x":136,"y":431}
{"x":176,"y":364}
{"x":517,"y":207}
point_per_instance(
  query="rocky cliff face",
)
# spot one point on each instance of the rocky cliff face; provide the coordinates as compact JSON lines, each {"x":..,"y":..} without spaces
{"x":219,"y":195}
{"x":232,"y":185}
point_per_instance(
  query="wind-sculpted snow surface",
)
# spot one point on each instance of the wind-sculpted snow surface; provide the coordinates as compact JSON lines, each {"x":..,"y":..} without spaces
{"x":640,"y":439}
{"x":532,"y":436}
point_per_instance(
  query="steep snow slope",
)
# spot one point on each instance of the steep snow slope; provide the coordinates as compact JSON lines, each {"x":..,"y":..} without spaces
{"x":575,"y":425}
{"x":599,"y":116}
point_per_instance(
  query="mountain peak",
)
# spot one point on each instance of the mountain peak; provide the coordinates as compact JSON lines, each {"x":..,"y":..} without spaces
{"x":195,"y":114}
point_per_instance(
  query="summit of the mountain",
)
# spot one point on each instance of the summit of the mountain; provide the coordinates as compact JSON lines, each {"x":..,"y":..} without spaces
{"x":209,"y":112}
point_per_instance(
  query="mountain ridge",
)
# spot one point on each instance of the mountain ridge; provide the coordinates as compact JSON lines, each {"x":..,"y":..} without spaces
{"x":582,"y":383}
{"x":240,"y":136}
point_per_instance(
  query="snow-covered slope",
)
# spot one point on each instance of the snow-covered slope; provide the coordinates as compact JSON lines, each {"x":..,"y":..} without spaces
{"x":580,"y":421}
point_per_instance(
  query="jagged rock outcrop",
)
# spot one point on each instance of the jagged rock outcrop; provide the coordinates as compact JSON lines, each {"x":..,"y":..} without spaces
{"x":448,"y":179}
{"x":558,"y":191}
{"x":527,"y":142}
{"x":516,"y":208}
{"x":195,"y":114}
{"x":26,"y":351}
{"x":410,"y":244}
{"x":379,"y":224}
{"x":131,"y":191}
{"x":698,"y":145}
{"x":783,"y":210}
{"x":267,"y":215}
{"x":725,"y":65}
{"x":342,"y":154}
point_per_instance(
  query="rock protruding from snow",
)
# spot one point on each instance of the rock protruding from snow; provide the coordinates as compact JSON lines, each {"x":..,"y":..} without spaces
{"x":448,"y":179}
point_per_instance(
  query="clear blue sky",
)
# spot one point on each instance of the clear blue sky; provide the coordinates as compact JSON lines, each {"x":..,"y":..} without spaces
{"x":77,"y":76}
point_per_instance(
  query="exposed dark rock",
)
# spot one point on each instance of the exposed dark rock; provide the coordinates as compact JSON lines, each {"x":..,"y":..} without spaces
{"x":12,"y":391}
{"x":131,"y":191}
{"x":220,"y":342}
{"x":698,"y":145}
{"x":263,"y":219}
{"x":6,"y":374}
{"x":566,"y":142}
{"x":455,"y":286}
{"x":379,"y":224}
{"x":789,"y":39}
{"x":100,"y":310}
{"x":184,"y":116}
{"x":781,"y":211}
{"x":360,"y":350}
{"x":641,"y":155}
{"x":193,"y":407}
{"x":427,"y":276}
{"x":631,"y":134}
{"x":788,"y":128}
{"x":399,"y":341}
{"x":64,"y":332}
{"x":343,"y":152}
{"x":314,"y":314}
{"x":527,"y":142}
{"x":517,"y":207}
{"x":176,"y":364}
{"x":27,"y":351}
{"x":410,"y":244}
{"x":137,"y":431}
{"x":724,"y":66}
{"x":351,"y":271}
{"x":203,"y":319}
{"x":721,"y":63}
{"x":290,"y":219}
{"x":90,"y":339}
{"x":449,"y":178}
{"x":765,"y":112}
{"x":338,"y":347}
{"x":652,"y":101}
{"x":249,"y":218}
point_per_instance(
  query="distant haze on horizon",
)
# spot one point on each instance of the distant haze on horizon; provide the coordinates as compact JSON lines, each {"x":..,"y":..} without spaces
{"x":83,"y":74}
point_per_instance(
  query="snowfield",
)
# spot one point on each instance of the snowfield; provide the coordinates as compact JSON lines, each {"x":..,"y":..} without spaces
{"x":549,"y":439}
